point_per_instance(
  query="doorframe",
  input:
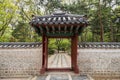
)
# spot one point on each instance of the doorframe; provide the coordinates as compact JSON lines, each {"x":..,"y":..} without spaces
{"x":74,"y":66}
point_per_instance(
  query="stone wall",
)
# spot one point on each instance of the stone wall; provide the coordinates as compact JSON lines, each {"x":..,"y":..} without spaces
{"x":99,"y":59}
{"x":25,"y":59}
{"x":20,"y":59}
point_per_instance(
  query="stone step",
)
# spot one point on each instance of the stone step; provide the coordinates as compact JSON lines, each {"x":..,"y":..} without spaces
{"x":41,"y":78}
{"x":59,"y":77}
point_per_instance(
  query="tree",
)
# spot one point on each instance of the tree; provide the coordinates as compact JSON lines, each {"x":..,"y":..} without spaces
{"x":59,"y":44}
{"x":102,"y":15}
{"x":7,"y":13}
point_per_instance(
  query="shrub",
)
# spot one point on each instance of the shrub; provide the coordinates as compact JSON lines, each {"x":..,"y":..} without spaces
{"x":51,"y":51}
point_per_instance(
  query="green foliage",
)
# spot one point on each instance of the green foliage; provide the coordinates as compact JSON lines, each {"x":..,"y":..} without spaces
{"x":7,"y":13}
{"x":59,"y":44}
{"x":16,"y":14}
{"x":65,"y":44}
{"x":86,"y":35}
{"x":52,"y":44}
{"x":51,"y":51}
{"x":23,"y":33}
{"x":7,"y":35}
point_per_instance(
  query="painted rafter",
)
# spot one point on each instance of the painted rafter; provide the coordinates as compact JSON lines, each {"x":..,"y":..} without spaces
{"x":53,"y":28}
{"x":65,"y":29}
{"x":47,"y":29}
{"x":59,"y":29}
{"x":77,"y":29}
{"x":71,"y":29}
{"x":41,"y":30}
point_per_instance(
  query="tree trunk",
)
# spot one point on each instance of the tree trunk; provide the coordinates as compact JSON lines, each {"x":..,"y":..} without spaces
{"x":111,"y":27}
{"x":101,"y":25}
{"x":85,"y":35}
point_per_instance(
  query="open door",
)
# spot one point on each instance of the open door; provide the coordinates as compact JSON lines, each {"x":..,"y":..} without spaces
{"x":59,"y":54}
{"x":58,"y":61}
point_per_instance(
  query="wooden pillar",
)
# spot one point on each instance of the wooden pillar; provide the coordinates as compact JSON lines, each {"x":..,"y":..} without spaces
{"x":46,"y":58}
{"x":74,"y":41}
{"x":44,"y":54}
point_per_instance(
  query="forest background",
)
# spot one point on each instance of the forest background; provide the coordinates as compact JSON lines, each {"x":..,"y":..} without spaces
{"x":103,"y":17}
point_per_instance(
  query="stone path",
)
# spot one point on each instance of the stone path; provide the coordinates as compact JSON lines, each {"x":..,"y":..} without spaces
{"x":59,"y":77}
{"x":82,"y":77}
{"x":61,"y":60}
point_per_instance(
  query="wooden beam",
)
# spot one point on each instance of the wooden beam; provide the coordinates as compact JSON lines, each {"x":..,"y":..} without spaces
{"x":59,"y":34}
{"x":59,"y":28}
{"x":65,"y":29}
{"x":53,"y":29}
{"x":41,"y":30}
{"x":76,"y":31}
{"x":47,"y":29}
{"x":71,"y":29}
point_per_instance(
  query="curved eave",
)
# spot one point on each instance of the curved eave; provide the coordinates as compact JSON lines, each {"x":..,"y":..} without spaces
{"x":59,"y":24}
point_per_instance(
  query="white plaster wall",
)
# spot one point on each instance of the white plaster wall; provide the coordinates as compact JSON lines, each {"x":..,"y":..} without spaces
{"x":99,"y":61}
{"x":20,"y":62}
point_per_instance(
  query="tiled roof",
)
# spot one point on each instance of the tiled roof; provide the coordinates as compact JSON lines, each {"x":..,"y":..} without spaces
{"x":59,"y":24}
{"x":59,"y":18}
{"x":19,"y":45}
